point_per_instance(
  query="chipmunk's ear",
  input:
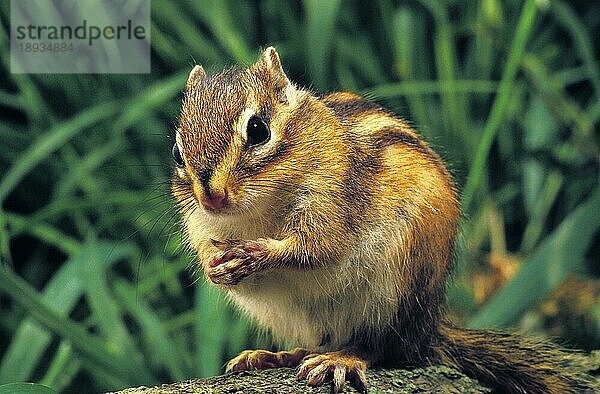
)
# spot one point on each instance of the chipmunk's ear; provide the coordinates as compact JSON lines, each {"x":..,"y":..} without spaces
{"x":270,"y":62}
{"x":196,"y":75}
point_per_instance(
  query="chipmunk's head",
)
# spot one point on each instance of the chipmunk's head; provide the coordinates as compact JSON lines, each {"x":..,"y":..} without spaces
{"x":233,"y":144}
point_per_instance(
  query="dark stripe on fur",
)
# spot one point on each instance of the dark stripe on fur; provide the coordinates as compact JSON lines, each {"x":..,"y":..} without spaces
{"x":204,"y":177}
{"x":357,"y":191}
{"x":207,"y":115}
{"x":281,"y":152}
{"x":352,"y":106}
{"x":395,"y":135}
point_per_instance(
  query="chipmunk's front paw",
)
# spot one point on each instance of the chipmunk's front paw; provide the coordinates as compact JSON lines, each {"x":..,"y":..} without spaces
{"x":237,"y":260}
{"x":342,"y":366}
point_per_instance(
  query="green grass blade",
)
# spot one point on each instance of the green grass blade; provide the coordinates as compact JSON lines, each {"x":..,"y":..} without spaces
{"x":63,"y":368}
{"x":25,"y":388}
{"x":107,"y":314}
{"x":211,"y":326}
{"x":179,"y":34}
{"x":412,"y":63}
{"x":477,"y":170}
{"x":88,"y":346}
{"x":564,"y":14}
{"x":541,"y":209}
{"x":151,"y":98}
{"x":10,"y":100}
{"x":59,"y":208}
{"x":413,"y":88}
{"x":81,"y":170}
{"x":366,"y":62}
{"x":217,"y":14}
{"x":321,"y":17}
{"x":563,"y":107}
{"x":63,"y":291}
{"x":562,"y":252}
{"x":239,"y":333}
{"x":5,"y":258}
{"x":30,"y":341}
{"x":158,"y":341}
{"x":48,"y":234}
{"x":50,"y":141}
{"x":454,"y":105}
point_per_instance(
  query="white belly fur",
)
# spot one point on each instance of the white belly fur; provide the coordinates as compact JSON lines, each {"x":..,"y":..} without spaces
{"x":307,"y":306}
{"x":304,"y":306}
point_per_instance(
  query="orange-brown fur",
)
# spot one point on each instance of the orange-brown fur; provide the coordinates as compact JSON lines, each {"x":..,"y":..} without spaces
{"x":338,"y":233}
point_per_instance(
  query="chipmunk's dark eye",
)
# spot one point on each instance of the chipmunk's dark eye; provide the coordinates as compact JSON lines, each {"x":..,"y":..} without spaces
{"x":257,"y":132}
{"x":177,"y":156}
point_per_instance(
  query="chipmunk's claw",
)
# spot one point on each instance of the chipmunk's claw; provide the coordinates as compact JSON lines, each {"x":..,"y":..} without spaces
{"x":263,"y":359}
{"x":253,"y":359}
{"x":337,"y":365}
{"x":236,"y":260}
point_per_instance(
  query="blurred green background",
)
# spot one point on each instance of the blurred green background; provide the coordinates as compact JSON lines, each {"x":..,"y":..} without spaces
{"x":96,"y":291}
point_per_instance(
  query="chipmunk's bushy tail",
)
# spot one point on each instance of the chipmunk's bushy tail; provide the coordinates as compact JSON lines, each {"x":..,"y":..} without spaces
{"x":511,"y":363}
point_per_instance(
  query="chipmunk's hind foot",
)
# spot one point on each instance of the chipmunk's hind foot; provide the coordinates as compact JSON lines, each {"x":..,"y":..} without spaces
{"x":341,"y":366}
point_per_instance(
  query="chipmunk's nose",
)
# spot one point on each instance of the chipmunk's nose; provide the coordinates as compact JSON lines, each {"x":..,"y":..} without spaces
{"x":215,"y":199}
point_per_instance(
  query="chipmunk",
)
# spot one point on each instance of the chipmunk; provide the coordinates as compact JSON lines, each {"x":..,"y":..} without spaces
{"x":331,"y":223}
